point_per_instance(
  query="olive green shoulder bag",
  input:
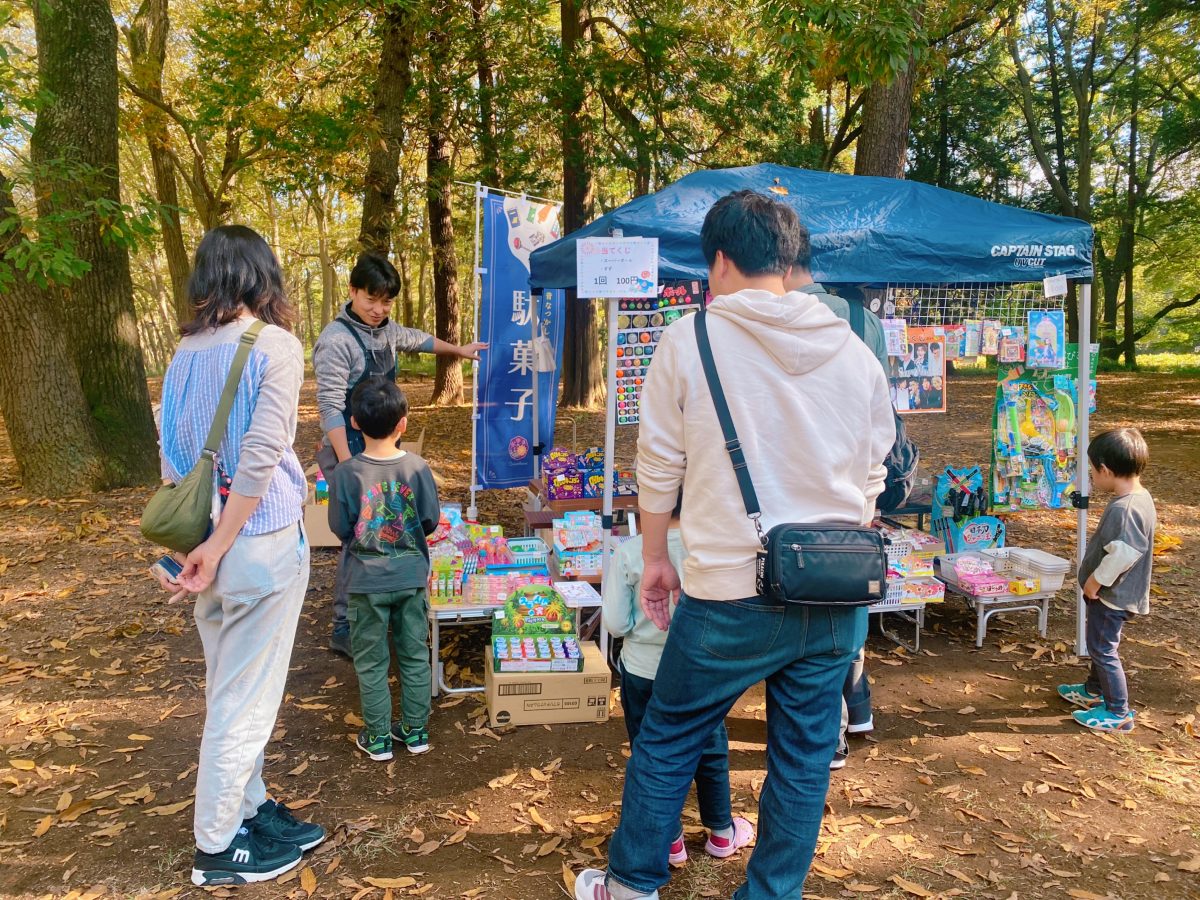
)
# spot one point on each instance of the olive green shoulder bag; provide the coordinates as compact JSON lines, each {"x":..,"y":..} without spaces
{"x":179,"y":516}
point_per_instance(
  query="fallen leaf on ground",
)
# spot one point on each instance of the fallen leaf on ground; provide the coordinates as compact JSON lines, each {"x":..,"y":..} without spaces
{"x":538,"y":820}
{"x":308,"y":880}
{"x":404,"y":882}
{"x":910,"y":886}
{"x":594,"y":819}
{"x":170,"y":809}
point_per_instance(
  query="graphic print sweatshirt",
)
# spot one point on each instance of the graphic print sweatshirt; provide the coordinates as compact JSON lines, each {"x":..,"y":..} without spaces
{"x":384,"y":508}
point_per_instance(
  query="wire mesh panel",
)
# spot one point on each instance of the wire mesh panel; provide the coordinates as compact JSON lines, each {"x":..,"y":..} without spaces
{"x":925,"y":305}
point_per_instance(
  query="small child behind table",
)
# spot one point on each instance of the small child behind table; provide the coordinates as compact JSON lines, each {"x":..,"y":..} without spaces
{"x":1115,"y":575}
{"x":385,"y":503}
{"x":640,"y":654}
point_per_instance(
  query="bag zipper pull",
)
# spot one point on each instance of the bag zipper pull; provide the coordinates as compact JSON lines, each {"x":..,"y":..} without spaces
{"x":799,"y":551}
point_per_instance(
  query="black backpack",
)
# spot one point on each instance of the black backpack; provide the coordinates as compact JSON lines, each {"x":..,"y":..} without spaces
{"x":902,"y":461}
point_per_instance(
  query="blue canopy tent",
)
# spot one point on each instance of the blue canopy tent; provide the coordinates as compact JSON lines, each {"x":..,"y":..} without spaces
{"x":875,"y":231}
{"x":865,"y":230}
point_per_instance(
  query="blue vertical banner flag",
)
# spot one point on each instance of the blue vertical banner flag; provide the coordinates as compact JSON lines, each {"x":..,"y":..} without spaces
{"x":513,"y":227}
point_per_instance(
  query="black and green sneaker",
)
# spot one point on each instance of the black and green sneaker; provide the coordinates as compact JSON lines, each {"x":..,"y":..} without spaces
{"x":250,"y":856}
{"x":376,"y":746}
{"x":416,"y":740}
{"x":274,"y":820}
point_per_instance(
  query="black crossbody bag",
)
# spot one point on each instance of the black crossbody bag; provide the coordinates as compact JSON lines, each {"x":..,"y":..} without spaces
{"x":810,"y":565}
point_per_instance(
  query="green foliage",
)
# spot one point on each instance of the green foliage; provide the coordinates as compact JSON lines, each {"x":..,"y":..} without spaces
{"x":271,"y":118}
{"x":46,"y":253}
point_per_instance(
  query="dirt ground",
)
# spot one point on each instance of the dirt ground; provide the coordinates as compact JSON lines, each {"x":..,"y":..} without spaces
{"x":975,"y":782}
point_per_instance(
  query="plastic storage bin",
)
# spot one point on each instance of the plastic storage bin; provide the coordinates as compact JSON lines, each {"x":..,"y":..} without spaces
{"x":1033,"y":563}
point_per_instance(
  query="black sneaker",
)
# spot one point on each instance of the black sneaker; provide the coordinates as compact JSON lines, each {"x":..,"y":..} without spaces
{"x":275,"y":821}
{"x":251,"y":856}
{"x":339,"y":642}
{"x":416,"y":740}
{"x":839,"y":756}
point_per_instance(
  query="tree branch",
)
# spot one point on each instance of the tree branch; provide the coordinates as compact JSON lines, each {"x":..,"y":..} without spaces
{"x":1163,"y":313}
{"x":1035,"y":135}
{"x":967,"y":22}
{"x":160,"y":103}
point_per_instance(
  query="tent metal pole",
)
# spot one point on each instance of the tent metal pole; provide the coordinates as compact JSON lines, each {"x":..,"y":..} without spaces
{"x":610,"y":451}
{"x":534,"y":308}
{"x":477,"y":292}
{"x":1083,"y":414}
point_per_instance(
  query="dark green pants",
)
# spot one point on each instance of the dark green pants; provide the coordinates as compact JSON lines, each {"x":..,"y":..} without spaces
{"x":406,"y":614}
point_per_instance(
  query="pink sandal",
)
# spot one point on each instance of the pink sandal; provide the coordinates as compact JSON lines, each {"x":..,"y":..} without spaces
{"x":723,"y":848}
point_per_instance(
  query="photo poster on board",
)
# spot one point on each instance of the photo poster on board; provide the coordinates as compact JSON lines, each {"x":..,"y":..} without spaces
{"x":990,"y":338}
{"x":918,"y":375}
{"x":895,"y":335}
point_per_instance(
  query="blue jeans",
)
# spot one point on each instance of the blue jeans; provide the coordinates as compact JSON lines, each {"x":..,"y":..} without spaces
{"x":712,"y":774}
{"x":1107,"y":675}
{"x":716,"y":651}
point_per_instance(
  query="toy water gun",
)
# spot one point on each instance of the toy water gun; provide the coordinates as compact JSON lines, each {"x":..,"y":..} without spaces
{"x":1064,"y":423}
{"x":1012,"y":447}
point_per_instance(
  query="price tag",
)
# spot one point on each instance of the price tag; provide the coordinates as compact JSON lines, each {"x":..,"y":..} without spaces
{"x":616,"y":267}
{"x":1055,"y":285}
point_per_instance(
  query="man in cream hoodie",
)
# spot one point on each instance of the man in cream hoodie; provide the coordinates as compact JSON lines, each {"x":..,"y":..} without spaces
{"x":812,"y":412}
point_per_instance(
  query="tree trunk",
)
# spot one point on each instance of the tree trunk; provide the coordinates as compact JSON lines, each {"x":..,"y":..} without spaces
{"x":489,"y":153}
{"x":406,"y":292}
{"x":423,"y":288}
{"x":439,"y":174}
{"x":74,"y":151}
{"x":148,"y":53}
{"x":1108,"y":272}
{"x":1133,"y":189}
{"x":887,"y":109}
{"x":393,"y":83}
{"x":583,"y":379}
{"x":45,"y":413}
{"x":329,"y":285}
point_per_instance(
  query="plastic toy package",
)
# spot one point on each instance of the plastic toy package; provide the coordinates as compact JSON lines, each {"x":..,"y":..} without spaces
{"x":1047,"y":339}
{"x":1035,"y":437}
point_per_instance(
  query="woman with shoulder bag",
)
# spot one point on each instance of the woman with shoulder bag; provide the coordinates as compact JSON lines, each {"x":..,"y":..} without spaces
{"x":251,"y":573}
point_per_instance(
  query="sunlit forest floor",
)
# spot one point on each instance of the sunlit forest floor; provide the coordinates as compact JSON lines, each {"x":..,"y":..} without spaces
{"x":975,"y":781}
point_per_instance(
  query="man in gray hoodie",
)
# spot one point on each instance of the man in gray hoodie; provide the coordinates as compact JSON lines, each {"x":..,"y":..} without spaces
{"x":362,"y":341}
{"x":814,"y":420}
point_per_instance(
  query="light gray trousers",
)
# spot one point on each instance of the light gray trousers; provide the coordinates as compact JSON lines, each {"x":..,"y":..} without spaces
{"x":247,"y":622}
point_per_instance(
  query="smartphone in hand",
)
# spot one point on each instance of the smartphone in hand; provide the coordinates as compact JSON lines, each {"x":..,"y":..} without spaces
{"x":167,"y":567}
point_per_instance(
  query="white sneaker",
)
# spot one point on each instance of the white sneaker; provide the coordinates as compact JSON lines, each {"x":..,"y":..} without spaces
{"x":589,"y":885}
{"x":862,"y":727}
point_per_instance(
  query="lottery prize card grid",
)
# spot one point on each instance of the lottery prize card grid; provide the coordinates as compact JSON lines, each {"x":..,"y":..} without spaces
{"x":640,"y":325}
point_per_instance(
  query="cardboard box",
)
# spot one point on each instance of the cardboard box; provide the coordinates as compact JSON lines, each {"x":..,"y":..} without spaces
{"x":549,"y":698}
{"x":316,"y":526}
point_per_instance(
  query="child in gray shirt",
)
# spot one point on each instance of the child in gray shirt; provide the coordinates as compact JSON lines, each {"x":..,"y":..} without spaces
{"x":1115,"y":575}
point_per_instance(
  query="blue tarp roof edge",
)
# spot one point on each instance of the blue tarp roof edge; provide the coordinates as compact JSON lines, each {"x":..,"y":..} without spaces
{"x":864,"y":230}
